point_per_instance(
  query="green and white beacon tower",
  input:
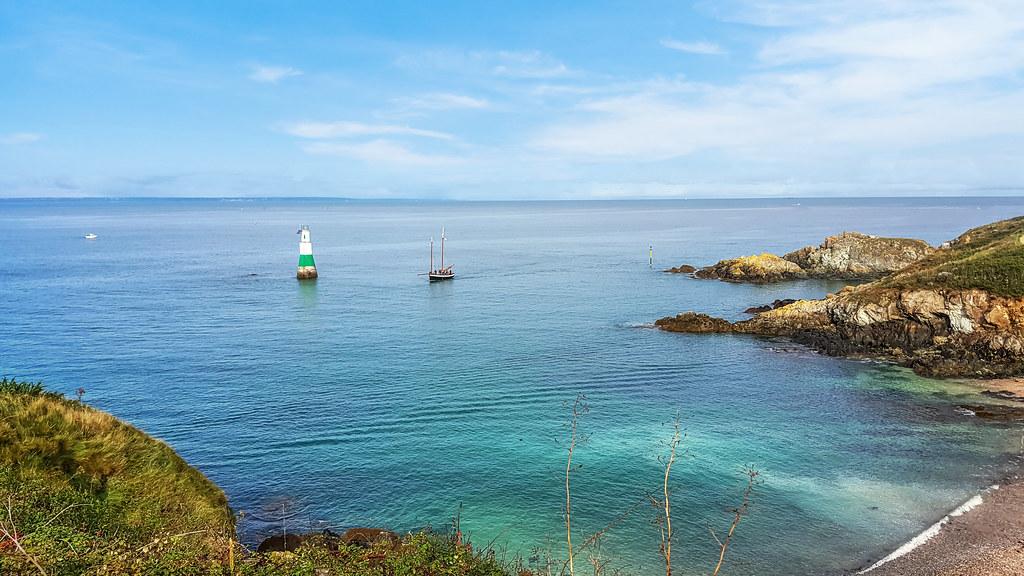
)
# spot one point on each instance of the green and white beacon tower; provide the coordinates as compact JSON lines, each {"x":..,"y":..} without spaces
{"x":307,"y":268}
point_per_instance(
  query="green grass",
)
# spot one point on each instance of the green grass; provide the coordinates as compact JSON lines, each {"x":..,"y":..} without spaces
{"x":990,"y":258}
{"x":83,"y":493}
{"x":83,"y":488}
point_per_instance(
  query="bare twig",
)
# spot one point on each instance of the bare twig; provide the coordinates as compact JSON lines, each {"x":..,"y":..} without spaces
{"x":615,"y":522}
{"x":579,"y":408}
{"x":595,"y":538}
{"x":667,"y":543}
{"x":738,"y":512}
{"x":66,"y":508}
{"x":10,"y":531}
{"x":664,"y":504}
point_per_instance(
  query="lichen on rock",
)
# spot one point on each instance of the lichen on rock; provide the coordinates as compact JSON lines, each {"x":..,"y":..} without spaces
{"x":758,"y":269}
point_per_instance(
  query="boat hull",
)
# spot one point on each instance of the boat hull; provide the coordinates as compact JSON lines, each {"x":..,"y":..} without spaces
{"x":440,"y":277}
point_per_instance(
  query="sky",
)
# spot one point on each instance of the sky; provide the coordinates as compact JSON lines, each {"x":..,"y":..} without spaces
{"x":512,"y":100}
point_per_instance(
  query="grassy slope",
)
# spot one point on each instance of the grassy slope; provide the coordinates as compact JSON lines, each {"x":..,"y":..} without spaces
{"x":88,"y":494}
{"x":85,"y":489}
{"x":989,"y":257}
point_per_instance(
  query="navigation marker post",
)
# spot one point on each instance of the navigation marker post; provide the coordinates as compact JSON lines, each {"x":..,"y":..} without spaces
{"x":307,"y":268}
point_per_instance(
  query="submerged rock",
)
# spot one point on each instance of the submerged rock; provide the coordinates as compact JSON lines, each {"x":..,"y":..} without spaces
{"x":367,"y":537}
{"x":995,"y":412}
{"x":281,"y":543}
{"x":362,"y":537}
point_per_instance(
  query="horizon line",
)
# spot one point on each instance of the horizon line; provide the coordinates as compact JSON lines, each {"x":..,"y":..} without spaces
{"x":1015,"y":193}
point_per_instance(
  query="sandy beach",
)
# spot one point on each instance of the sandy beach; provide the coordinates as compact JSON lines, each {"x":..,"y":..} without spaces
{"x":987,"y":540}
{"x":1010,"y":386}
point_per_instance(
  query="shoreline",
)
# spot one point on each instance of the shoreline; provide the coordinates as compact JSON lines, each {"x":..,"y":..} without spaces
{"x":1008,"y":388}
{"x":983,"y":536}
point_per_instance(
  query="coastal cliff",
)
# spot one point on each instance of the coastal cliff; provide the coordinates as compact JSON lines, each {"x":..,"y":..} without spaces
{"x":958,"y":311}
{"x":850,"y":255}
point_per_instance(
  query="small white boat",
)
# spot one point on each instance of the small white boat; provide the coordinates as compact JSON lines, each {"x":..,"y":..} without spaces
{"x":91,"y":236}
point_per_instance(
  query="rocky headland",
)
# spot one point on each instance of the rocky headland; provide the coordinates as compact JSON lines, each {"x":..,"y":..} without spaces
{"x":850,"y":255}
{"x":957,"y":311}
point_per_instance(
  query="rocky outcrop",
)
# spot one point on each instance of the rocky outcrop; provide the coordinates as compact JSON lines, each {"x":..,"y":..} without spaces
{"x":956,"y":312}
{"x":362,"y":537}
{"x":937,"y":333}
{"x":850,"y":255}
{"x":858,"y":256}
{"x":779,"y":303}
{"x":682,"y":269}
{"x":760,"y":269}
{"x":694,"y":323}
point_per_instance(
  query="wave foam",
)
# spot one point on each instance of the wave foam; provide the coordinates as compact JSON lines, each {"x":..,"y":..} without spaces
{"x":930,"y":532}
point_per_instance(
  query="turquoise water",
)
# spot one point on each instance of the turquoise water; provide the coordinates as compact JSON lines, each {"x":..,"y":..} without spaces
{"x":371,"y":397}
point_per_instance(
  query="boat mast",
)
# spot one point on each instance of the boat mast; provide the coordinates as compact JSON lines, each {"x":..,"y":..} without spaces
{"x":431,"y":253}
{"x":442,"y":247}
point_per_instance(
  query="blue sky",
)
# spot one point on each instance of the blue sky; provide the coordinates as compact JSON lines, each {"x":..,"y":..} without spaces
{"x":516,"y":100}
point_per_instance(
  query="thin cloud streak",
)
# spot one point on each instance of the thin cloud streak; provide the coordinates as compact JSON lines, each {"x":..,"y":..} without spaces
{"x":272,"y":74}
{"x":701,"y":48}
{"x":381,"y":152}
{"x":443,"y":101}
{"x":345,"y":129}
{"x":20,"y":138}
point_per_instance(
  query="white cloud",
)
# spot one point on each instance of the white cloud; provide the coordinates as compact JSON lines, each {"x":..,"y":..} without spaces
{"x":20,"y":138}
{"x":917,"y":89}
{"x":442,"y":101}
{"x":703,"y":48}
{"x":523,"y":65}
{"x":531,"y":64}
{"x":272,"y":74}
{"x":381,"y":152}
{"x":343,"y":129}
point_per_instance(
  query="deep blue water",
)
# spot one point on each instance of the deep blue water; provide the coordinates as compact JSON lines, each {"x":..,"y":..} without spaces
{"x":371,"y":397}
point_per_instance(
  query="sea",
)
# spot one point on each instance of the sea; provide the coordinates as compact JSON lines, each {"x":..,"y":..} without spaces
{"x":372,"y":397}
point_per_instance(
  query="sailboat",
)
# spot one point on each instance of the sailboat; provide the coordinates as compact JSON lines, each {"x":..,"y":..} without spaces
{"x":444,"y":272}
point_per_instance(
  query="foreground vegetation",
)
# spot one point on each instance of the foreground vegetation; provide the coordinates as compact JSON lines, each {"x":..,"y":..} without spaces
{"x":83,"y":493}
{"x":989,"y":257}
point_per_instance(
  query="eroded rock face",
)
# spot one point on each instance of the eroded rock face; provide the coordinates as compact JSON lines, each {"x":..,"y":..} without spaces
{"x":760,"y":269}
{"x":855,"y":255}
{"x":956,"y":311}
{"x":948,"y":333}
{"x":849,"y":255}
